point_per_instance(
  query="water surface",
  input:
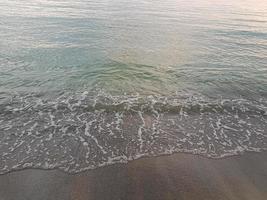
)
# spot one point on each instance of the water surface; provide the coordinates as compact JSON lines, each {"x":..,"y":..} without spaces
{"x":84,"y":84}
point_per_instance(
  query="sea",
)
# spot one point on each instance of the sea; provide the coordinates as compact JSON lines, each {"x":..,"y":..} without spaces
{"x":89,"y":83}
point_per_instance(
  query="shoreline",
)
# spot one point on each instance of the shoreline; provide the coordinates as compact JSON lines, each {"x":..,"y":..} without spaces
{"x":176,"y":176}
{"x":145,"y":157}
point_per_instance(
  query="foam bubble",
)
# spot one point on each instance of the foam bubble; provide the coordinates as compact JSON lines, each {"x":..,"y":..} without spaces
{"x":79,"y":131}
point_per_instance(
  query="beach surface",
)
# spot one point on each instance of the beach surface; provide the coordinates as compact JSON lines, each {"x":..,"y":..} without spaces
{"x":178,"y":176}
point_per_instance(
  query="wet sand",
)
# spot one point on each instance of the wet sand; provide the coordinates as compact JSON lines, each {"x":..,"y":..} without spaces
{"x":179,"y":176}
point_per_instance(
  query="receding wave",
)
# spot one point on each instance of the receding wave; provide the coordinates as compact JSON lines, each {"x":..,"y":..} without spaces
{"x":78,"y":131}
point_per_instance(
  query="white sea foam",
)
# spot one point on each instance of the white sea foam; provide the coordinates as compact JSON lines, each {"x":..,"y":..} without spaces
{"x":79,"y":131}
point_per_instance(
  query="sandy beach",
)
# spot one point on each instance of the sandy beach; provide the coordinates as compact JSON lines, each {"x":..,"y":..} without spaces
{"x":179,"y":176}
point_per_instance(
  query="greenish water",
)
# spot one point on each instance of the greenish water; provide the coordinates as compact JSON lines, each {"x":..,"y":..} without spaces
{"x":101,"y":82}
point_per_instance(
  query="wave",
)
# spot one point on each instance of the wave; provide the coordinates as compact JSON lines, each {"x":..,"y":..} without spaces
{"x":85,"y":130}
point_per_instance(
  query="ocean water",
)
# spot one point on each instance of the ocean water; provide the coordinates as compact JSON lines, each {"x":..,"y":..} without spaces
{"x":89,"y":83}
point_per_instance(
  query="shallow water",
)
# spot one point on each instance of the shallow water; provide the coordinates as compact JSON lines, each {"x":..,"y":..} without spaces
{"x":89,"y":83}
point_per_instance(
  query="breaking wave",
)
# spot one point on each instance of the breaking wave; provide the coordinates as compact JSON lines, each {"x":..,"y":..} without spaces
{"x":78,"y":131}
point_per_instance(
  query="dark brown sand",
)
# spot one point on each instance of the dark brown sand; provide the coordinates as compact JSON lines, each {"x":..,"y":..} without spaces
{"x":179,"y":176}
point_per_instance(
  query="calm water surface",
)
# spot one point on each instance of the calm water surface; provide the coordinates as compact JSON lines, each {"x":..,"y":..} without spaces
{"x":85,"y":83}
